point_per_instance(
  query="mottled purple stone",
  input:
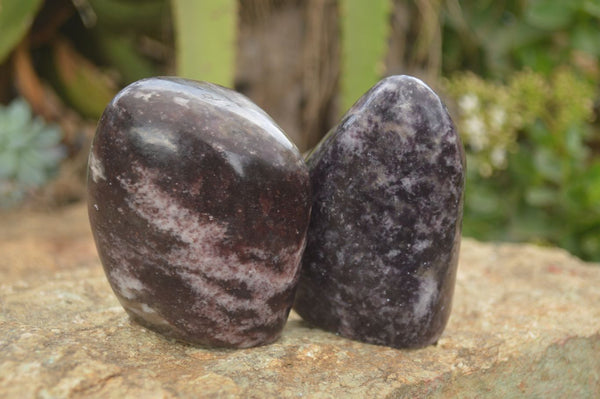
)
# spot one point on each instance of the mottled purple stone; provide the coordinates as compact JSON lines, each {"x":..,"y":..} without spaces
{"x":199,"y":206}
{"x":384,"y":235}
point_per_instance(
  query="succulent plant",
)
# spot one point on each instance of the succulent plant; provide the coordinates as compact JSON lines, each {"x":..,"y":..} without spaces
{"x":30,"y":152}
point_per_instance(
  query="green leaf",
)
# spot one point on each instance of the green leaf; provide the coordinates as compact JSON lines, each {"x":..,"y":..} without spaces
{"x":51,"y":157}
{"x":506,"y":38}
{"x":18,"y":114}
{"x":549,"y":14}
{"x":29,"y":173}
{"x":205,"y":33}
{"x":483,"y":201}
{"x":590,"y":245}
{"x":140,"y":16}
{"x":536,"y":58}
{"x":548,"y":165}
{"x":541,"y":196}
{"x":9,"y":162}
{"x":121,"y":52}
{"x":15,"y":19}
{"x":48,"y":137}
{"x":365,"y":26}
{"x":80,"y":82}
{"x":532,"y":224}
{"x":20,"y":139}
{"x":591,"y":181}
{"x":592,"y":7}
{"x":574,"y":143}
{"x":586,"y":37}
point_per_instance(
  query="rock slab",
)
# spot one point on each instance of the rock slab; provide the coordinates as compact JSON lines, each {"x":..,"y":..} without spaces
{"x":525,"y":323}
{"x":199,"y":206}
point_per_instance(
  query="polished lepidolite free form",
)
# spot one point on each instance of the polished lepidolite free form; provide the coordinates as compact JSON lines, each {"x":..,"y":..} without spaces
{"x":199,"y":206}
{"x":384,"y":235}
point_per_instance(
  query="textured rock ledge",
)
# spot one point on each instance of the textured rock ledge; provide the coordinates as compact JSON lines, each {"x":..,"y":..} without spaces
{"x":526,"y":321}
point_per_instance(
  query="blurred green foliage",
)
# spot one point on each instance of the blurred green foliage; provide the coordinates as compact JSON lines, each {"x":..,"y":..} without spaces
{"x":526,"y":113}
{"x":531,"y":176}
{"x":83,"y":86}
{"x":15,"y":19}
{"x":116,"y":28}
{"x":493,"y":38}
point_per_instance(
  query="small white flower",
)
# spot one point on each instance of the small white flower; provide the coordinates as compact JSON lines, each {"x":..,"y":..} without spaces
{"x":498,"y":157}
{"x":497,"y":116}
{"x":468,"y":103}
{"x":474,"y":125}
{"x":475,"y":132}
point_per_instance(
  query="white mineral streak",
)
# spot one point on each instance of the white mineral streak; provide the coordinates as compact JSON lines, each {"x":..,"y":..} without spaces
{"x":184,"y":102}
{"x":144,"y":95}
{"x":235,"y":160}
{"x":427,"y":294}
{"x":199,"y":256}
{"x":147,"y":313}
{"x":351,"y":141}
{"x":421,"y":245}
{"x":127,"y":285}
{"x":96,"y":168}
{"x":155,"y":137}
{"x":407,"y":184}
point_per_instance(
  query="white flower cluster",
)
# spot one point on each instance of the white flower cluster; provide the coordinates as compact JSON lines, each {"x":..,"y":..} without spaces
{"x":482,"y":128}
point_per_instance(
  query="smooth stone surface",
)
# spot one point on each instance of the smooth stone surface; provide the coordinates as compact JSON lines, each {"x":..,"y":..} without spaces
{"x":199,"y":206}
{"x":384,"y":236}
{"x":525,"y":324}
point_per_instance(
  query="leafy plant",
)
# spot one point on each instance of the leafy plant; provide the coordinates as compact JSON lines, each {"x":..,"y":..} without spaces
{"x":80,"y":83}
{"x":547,"y":188}
{"x":491,"y":115}
{"x":30,"y":152}
{"x":494,"y":38}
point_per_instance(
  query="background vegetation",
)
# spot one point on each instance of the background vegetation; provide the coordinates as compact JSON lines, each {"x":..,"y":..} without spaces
{"x":521,"y":79}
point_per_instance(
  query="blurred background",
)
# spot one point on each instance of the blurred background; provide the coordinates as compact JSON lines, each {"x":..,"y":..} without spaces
{"x":521,"y":79}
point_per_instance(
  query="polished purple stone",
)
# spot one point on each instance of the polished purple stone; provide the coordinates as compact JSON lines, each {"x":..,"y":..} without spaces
{"x":199,"y":206}
{"x":384,"y":235}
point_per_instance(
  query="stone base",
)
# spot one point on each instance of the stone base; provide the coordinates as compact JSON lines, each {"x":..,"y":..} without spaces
{"x":526,"y":322}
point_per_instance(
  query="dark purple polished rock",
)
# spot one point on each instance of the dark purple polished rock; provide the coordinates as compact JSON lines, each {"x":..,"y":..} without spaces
{"x":384,"y":235}
{"x":199,"y":206}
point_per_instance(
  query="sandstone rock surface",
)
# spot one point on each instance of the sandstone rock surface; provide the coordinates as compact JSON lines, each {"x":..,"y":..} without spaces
{"x":526,"y":322}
